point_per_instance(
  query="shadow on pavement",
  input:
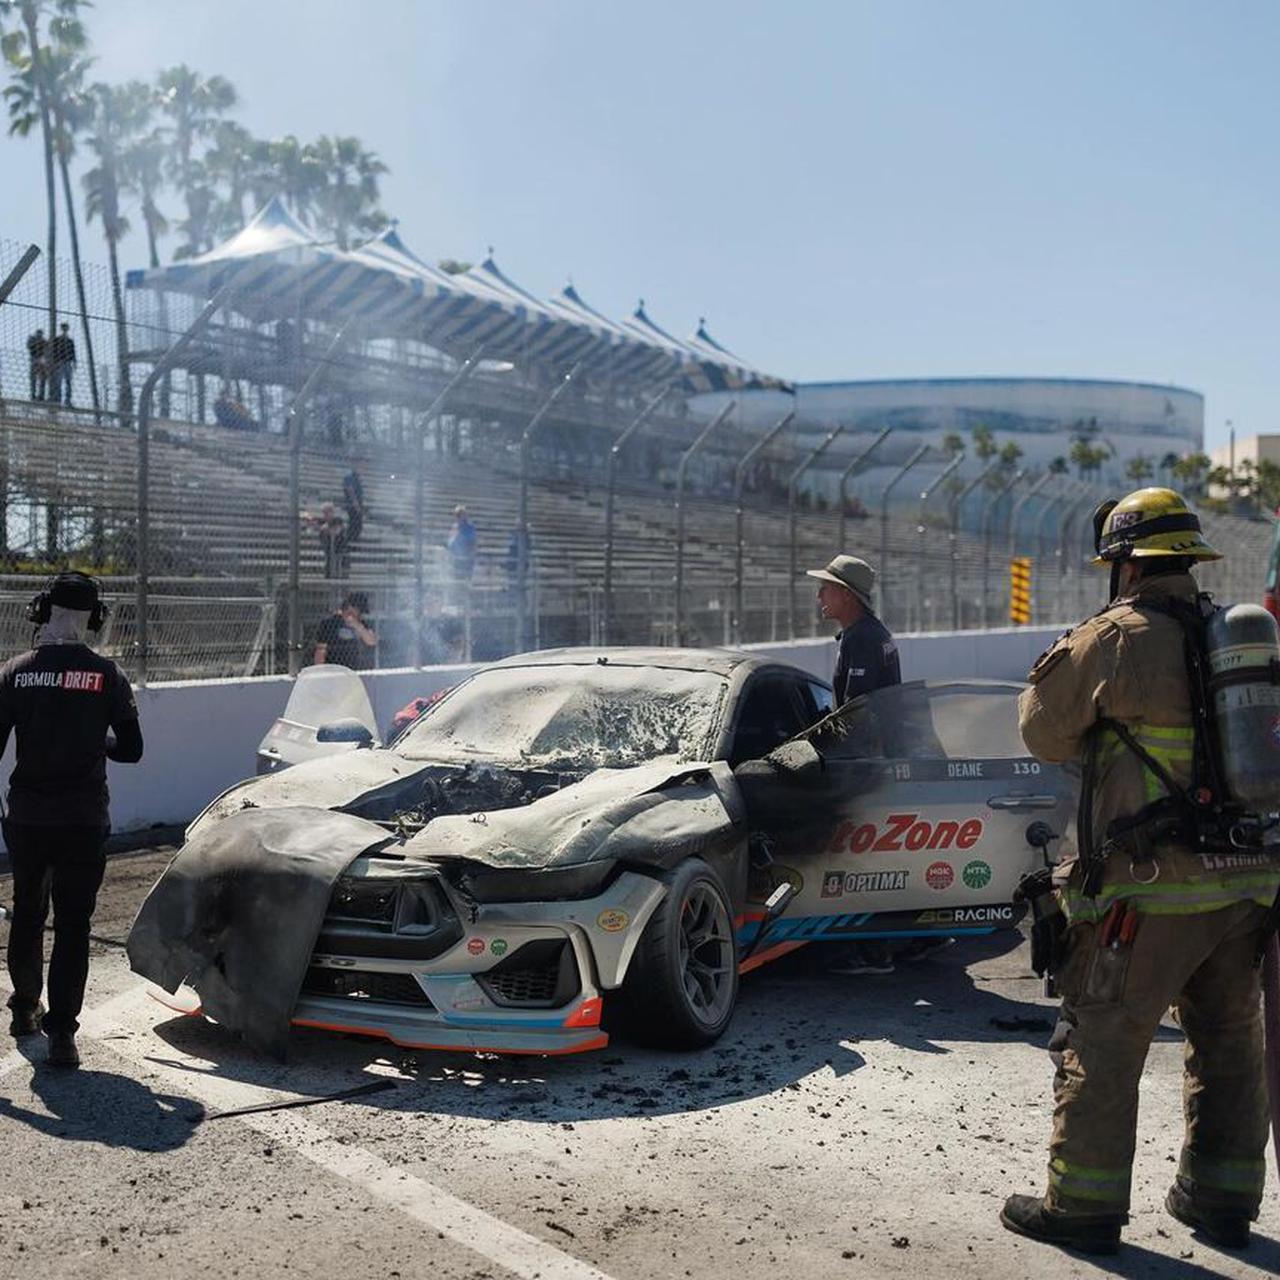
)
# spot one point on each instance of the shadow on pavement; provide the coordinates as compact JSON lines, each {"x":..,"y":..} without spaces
{"x":105,"y":1108}
{"x":1136,"y":1261}
{"x":793,"y":1019}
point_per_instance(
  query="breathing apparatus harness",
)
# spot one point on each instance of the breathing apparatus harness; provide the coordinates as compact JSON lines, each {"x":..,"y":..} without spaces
{"x":1202,"y":815}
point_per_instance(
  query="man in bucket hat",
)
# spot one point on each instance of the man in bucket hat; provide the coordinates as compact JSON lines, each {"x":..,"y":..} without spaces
{"x":868,"y":657}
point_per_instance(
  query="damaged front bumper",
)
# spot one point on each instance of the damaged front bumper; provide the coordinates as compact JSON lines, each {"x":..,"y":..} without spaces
{"x":404,"y":956}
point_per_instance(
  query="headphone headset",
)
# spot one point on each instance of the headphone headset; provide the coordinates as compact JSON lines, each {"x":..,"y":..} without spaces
{"x":40,"y":606}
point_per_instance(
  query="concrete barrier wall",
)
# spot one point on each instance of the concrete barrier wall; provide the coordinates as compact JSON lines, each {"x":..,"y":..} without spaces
{"x":202,"y":735}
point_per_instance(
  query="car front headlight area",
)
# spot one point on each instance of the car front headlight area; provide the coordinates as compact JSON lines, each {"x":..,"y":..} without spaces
{"x":404,"y":955}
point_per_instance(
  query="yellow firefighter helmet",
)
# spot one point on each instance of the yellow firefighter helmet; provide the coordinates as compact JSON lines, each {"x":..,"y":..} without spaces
{"x":1151,"y":522}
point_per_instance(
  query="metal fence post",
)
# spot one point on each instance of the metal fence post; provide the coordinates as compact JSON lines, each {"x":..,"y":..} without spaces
{"x":793,"y":482}
{"x":854,"y":463}
{"x":703,"y":435}
{"x":739,"y":514}
{"x":883,"y":566}
{"x":1038,"y":541}
{"x":925,"y":495}
{"x":611,"y":466}
{"x":293,"y":427}
{"x":158,"y":370}
{"x":987,"y":512}
{"x":419,"y":493}
{"x":522,"y":544}
{"x":953,"y":533}
{"x":1016,"y":511}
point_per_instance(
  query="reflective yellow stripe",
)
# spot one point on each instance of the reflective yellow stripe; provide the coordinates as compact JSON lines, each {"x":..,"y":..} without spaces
{"x":1170,"y":898}
{"x":1245,"y":1176}
{"x":1082,"y":1182}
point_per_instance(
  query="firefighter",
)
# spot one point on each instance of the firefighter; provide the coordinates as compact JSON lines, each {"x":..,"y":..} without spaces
{"x":61,"y":699}
{"x":1156,"y":913}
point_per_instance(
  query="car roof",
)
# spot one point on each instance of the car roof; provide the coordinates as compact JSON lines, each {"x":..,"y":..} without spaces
{"x":722,"y":662}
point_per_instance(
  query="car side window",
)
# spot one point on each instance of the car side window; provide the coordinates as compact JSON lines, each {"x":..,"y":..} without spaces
{"x":1273,"y":569}
{"x":773,"y":709}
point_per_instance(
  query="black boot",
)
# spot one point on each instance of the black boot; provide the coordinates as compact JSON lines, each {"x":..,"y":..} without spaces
{"x":62,"y":1050}
{"x":1027,"y":1216}
{"x":1230,"y":1230}
{"x":26,"y":1022}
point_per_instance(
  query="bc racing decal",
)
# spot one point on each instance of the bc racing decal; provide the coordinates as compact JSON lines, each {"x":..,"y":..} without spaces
{"x":907,"y":831}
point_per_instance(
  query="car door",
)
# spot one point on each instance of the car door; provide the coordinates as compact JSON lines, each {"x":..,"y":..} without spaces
{"x":919,"y":820}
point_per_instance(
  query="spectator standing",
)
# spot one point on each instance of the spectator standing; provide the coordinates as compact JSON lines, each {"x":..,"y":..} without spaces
{"x":461,"y":545}
{"x":332,"y":532}
{"x":38,"y":351}
{"x":353,"y":502}
{"x":62,"y":363}
{"x":62,"y":700}
{"x":229,"y":412}
{"x":345,"y":636}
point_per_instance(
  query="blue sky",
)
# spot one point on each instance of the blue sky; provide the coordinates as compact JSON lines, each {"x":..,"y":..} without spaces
{"x":845,"y":190}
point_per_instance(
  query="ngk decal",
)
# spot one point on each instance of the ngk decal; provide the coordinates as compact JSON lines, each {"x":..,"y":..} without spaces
{"x":907,"y":831}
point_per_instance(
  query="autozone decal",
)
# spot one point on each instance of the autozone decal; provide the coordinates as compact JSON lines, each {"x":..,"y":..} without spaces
{"x":908,"y":831}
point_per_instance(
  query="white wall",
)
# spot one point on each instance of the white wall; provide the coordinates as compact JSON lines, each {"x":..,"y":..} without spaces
{"x":202,"y":735}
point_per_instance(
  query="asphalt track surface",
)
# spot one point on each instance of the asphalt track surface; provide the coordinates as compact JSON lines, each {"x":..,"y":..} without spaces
{"x":846,"y":1126}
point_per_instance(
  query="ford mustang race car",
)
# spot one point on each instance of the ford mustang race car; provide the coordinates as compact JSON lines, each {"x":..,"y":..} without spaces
{"x":572,"y":829}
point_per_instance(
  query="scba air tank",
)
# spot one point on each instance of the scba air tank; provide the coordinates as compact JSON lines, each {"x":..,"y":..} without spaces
{"x":1243,"y":649}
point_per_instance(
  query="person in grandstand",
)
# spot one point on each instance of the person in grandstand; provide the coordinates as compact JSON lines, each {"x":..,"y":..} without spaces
{"x":61,"y":358}
{"x":37,"y":351}
{"x":461,"y":545}
{"x":335,"y":541}
{"x":346,"y":637}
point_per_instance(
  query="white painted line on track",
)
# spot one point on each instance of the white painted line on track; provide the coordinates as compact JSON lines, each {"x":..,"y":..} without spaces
{"x":504,"y":1245}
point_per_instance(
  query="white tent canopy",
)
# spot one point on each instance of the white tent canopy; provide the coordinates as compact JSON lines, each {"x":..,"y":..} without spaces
{"x":277,"y":269}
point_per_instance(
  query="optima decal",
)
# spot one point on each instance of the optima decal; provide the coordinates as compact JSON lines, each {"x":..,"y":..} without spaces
{"x":836,"y":883}
{"x":905,"y":831}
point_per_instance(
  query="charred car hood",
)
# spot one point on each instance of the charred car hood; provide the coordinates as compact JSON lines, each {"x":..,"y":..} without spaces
{"x":653,"y":814}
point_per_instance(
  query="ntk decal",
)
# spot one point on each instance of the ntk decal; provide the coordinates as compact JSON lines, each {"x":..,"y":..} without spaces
{"x":907,"y":831}
{"x":835,"y":883}
{"x":976,"y":874}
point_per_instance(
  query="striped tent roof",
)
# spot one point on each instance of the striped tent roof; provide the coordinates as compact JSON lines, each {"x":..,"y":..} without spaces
{"x":277,"y":267}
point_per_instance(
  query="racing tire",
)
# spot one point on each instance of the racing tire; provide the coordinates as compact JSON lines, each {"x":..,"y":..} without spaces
{"x":681,"y":987}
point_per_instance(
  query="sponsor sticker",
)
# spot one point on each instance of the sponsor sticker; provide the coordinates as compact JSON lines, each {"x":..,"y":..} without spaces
{"x":939,"y":875}
{"x":498,"y":946}
{"x":611,"y":920}
{"x":905,"y":831}
{"x":967,"y":915}
{"x":837,"y":883}
{"x":976,"y":874}
{"x":475,"y":946}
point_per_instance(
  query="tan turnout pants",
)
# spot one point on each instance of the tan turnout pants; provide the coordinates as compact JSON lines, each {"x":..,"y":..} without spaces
{"x":1113,"y":1000}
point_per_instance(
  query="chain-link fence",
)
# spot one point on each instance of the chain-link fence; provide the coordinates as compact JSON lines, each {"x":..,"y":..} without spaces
{"x":241,"y":481}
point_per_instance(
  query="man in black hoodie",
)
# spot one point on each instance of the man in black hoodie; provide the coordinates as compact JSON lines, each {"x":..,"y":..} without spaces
{"x":62,"y":700}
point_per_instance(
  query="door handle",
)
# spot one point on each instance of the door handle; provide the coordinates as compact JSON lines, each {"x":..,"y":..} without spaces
{"x":1016,"y":801}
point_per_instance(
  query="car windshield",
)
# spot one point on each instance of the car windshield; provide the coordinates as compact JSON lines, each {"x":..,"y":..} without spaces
{"x":572,"y":717}
{"x":926,"y":721}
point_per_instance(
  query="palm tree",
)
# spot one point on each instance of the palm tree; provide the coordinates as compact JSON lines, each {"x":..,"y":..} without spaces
{"x":347,"y":200}
{"x":1059,"y":466}
{"x":70,"y":114}
{"x":1010,"y":452}
{"x":1138,"y":468}
{"x":119,"y":113}
{"x":984,"y":442}
{"x":26,"y":54}
{"x":231,"y":164}
{"x":292,"y":173}
{"x":952,"y":444}
{"x":1167,"y":464}
{"x":194,"y":106}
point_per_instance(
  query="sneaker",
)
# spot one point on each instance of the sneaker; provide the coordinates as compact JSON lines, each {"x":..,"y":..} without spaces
{"x":1230,"y":1230}
{"x":26,"y":1022}
{"x":1027,"y":1216}
{"x":865,"y":957}
{"x":62,"y":1050}
{"x":922,"y":949}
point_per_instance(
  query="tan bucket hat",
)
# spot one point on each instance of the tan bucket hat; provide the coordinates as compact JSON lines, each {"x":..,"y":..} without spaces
{"x":851,"y":573}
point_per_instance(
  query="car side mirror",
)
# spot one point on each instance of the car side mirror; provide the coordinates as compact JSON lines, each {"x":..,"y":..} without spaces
{"x":348,"y":729}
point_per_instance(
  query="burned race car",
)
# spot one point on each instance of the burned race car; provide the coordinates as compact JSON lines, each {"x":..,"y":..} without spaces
{"x":572,"y":827}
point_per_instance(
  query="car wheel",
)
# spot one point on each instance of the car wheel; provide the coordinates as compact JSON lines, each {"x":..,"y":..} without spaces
{"x":682,"y":984}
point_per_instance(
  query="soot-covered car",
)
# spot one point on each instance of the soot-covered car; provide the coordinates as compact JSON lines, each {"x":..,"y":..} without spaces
{"x":575,"y":828}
